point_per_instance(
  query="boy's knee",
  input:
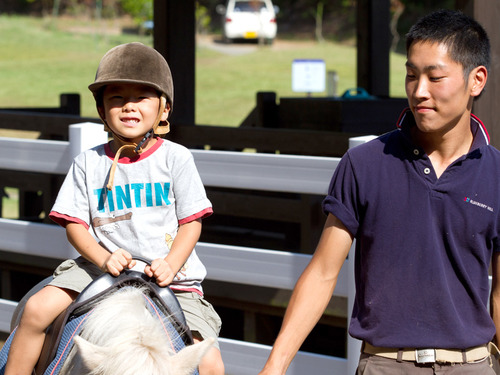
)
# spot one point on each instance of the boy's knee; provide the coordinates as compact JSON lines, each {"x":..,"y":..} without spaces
{"x":33,"y":312}
{"x":212,"y":363}
{"x":42,"y":309}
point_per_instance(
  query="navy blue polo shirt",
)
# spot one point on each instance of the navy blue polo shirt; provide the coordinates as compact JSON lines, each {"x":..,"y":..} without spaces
{"x":423,"y":244}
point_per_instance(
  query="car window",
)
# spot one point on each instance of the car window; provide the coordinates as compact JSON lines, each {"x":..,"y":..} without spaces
{"x":249,"y":6}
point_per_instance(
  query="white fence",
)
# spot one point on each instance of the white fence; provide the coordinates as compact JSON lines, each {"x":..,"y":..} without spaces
{"x":261,"y":267}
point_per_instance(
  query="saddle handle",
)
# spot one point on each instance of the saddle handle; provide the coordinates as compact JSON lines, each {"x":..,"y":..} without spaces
{"x":142,"y":259}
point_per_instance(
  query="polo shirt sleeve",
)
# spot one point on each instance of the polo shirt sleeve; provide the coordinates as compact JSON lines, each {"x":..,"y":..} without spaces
{"x":342,"y":199}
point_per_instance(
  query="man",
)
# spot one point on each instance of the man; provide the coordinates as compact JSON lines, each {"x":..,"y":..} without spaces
{"x":422,"y":203}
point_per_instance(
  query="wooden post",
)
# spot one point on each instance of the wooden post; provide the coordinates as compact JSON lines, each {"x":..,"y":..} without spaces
{"x":174,"y":38}
{"x":84,"y":136}
{"x":487,"y":13}
{"x":373,"y":43}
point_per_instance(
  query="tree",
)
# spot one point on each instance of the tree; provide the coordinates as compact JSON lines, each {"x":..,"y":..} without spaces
{"x":140,"y":10}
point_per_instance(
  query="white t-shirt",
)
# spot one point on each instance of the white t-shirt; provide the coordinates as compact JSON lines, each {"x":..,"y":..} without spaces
{"x":152,"y":195}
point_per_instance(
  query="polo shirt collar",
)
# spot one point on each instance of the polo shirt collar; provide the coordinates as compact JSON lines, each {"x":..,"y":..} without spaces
{"x":481,"y":137}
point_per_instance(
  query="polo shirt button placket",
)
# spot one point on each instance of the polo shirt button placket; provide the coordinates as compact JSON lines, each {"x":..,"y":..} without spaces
{"x":427,"y":170}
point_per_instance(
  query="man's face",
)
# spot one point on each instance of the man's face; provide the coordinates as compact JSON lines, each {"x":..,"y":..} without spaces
{"x":438,"y":95}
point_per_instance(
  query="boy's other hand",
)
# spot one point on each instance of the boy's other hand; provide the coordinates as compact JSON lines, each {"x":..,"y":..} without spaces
{"x":161,"y":271}
{"x":118,"y":261}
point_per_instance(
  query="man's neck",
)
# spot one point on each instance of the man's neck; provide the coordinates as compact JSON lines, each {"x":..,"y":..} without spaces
{"x":444,"y":149}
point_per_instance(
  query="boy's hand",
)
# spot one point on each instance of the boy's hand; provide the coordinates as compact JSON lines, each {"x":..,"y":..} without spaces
{"x":118,"y":261}
{"x":161,"y":271}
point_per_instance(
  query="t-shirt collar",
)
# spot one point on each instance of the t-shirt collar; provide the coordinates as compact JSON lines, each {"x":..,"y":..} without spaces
{"x":126,"y":159}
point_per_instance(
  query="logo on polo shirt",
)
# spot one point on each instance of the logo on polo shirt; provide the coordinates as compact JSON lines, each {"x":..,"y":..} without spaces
{"x":479,"y":204}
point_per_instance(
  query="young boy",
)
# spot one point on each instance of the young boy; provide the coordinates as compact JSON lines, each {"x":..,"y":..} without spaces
{"x":140,"y":194}
{"x":423,"y":203}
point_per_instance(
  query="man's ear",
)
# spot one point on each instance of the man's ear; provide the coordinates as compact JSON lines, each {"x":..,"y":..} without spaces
{"x":477,"y":80}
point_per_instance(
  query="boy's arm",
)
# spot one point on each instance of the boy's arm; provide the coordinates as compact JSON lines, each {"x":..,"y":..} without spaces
{"x":164,"y":270}
{"x":311,"y":295}
{"x":113,"y":263}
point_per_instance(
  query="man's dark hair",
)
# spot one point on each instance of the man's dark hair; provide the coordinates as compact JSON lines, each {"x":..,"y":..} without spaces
{"x":465,"y":38}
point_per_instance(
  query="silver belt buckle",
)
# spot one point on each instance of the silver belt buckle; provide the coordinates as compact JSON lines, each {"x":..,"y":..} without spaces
{"x":425,"y":356}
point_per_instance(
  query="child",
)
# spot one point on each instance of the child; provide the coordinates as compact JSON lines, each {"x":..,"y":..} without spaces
{"x":140,"y":194}
{"x":423,"y":203}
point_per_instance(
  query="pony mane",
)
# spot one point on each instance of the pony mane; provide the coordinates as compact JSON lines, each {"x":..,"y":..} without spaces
{"x":123,"y":315}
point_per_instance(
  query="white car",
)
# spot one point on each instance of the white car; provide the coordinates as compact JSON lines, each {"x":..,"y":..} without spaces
{"x":249,"y":19}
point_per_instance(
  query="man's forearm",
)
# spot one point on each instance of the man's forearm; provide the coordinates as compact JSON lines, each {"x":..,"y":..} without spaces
{"x":308,"y":302}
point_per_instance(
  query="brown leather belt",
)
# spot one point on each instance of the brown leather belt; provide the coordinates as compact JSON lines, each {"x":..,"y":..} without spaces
{"x":430,"y":355}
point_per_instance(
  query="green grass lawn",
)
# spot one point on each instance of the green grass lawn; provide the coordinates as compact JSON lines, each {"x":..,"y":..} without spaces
{"x":42,"y":58}
{"x":39,"y":62}
{"x":10,"y":208}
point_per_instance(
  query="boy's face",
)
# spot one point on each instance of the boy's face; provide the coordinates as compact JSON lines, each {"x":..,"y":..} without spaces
{"x":438,"y":95}
{"x":130,"y":109}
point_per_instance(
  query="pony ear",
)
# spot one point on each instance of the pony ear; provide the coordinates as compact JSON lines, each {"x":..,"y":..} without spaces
{"x":92,"y":355}
{"x":188,"y":359}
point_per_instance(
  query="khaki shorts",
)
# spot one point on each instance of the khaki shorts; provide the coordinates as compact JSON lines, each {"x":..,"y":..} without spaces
{"x":75,"y":274}
{"x":201,"y":318}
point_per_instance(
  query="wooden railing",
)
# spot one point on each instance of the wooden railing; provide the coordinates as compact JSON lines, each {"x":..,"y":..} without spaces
{"x":233,"y":264}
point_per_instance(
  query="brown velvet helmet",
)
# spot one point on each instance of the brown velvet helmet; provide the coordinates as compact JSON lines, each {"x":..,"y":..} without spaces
{"x":134,"y":63}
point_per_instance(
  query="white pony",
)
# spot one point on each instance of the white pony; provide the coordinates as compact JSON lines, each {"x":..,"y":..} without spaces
{"x":122,"y":337}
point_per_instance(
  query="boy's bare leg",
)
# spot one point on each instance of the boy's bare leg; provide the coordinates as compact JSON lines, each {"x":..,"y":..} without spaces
{"x":211,"y":364}
{"x":40,"y":311}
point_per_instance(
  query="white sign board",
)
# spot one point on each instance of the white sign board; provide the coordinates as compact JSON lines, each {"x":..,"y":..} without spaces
{"x":308,"y":75}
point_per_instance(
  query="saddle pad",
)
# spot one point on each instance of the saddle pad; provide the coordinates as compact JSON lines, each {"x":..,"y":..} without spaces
{"x":71,"y":329}
{"x":174,"y":337}
{"x":5,"y":352}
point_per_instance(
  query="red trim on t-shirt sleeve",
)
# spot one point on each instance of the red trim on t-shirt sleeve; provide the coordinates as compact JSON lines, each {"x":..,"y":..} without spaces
{"x":200,"y":215}
{"x":194,"y":290}
{"x":64,"y":220}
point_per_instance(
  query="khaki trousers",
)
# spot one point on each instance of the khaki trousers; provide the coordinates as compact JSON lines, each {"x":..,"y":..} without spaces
{"x":375,"y":365}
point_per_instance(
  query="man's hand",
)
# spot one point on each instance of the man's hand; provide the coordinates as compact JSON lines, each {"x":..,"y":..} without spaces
{"x":161,"y":271}
{"x":117,"y":262}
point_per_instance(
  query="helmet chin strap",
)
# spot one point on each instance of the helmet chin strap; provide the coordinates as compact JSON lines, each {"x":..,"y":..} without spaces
{"x":138,"y":147}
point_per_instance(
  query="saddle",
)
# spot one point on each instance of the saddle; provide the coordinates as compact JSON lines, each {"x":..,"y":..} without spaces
{"x":163,"y":298}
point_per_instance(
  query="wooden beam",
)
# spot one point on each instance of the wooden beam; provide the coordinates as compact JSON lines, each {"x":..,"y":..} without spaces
{"x":487,"y":13}
{"x":174,"y":38}
{"x":50,"y":125}
{"x":286,"y":141}
{"x":373,"y":43}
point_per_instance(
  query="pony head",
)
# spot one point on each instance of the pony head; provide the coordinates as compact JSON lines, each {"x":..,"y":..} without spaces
{"x":101,"y":360}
